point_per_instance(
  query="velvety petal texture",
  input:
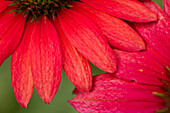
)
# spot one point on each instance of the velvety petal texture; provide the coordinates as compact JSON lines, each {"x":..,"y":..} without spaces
{"x":4,"y":4}
{"x":167,"y":7}
{"x":140,"y":67}
{"x":76,"y":67}
{"x":88,"y":39}
{"x":157,"y":57}
{"x":118,"y":33}
{"x":157,"y":34}
{"x":11,"y":27}
{"x":144,"y":71}
{"x":46,"y":58}
{"x":113,"y":95}
{"x":21,"y":75}
{"x":44,"y":39}
{"x":131,"y":10}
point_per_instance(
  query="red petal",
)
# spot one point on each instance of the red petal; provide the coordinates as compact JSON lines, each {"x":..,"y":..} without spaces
{"x":46,"y":59}
{"x":140,"y":67}
{"x":157,"y":33}
{"x":105,"y":106}
{"x":118,"y":33}
{"x":4,"y":4}
{"x":88,"y":39}
{"x":131,"y":10}
{"x":157,"y":57}
{"x":113,"y":95}
{"x":21,"y":75}
{"x":108,"y":81}
{"x":76,"y":91}
{"x":167,"y":7}
{"x":76,"y":67}
{"x":11,"y":27}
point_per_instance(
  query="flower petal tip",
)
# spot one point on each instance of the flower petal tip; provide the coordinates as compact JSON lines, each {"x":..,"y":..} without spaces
{"x":75,"y":91}
{"x":47,"y":100}
{"x":112,"y":69}
{"x":143,"y":48}
{"x":111,"y":66}
{"x":23,"y":104}
{"x":151,"y":17}
{"x":140,"y":47}
{"x":86,"y":89}
{"x":154,"y":18}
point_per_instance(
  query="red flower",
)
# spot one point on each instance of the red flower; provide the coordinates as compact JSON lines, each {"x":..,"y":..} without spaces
{"x":114,"y":95}
{"x":144,"y":75}
{"x":65,"y":31}
{"x":156,"y":35}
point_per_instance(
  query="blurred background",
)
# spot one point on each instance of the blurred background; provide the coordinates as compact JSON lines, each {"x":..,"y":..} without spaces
{"x":59,"y":104}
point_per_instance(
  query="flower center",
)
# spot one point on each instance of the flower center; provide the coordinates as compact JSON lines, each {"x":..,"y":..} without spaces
{"x":36,"y":8}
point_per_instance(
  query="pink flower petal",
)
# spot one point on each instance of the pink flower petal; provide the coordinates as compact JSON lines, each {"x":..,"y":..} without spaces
{"x":157,"y":33}
{"x":167,"y":7}
{"x":21,"y":75}
{"x":46,"y":58}
{"x":113,"y":95}
{"x":4,"y":4}
{"x":118,"y":33}
{"x":152,"y":53}
{"x":108,"y":81}
{"x":131,"y":10}
{"x":105,"y":106}
{"x":88,"y":39}
{"x":140,"y":67}
{"x":157,"y":57}
{"x":11,"y":27}
{"x":76,"y":67}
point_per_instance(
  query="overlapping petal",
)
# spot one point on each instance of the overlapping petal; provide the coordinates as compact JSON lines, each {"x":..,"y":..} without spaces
{"x":76,"y":67}
{"x":83,"y":31}
{"x":21,"y":75}
{"x":155,"y":55}
{"x":88,"y":39}
{"x":140,"y":67}
{"x":167,"y":7}
{"x":111,"y":95}
{"x":145,"y":72}
{"x":11,"y":28}
{"x":4,"y":4}
{"x":156,"y":34}
{"x":46,"y":58}
{"x":131,"y":10}
{"x":118,"y":33}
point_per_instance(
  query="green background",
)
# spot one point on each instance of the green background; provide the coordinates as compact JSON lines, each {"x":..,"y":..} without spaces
{"x":59,"y":104}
